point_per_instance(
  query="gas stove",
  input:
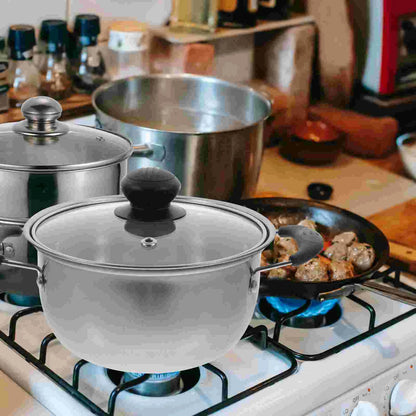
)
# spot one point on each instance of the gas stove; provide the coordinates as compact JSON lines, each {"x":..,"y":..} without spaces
{"x":355,"y":358}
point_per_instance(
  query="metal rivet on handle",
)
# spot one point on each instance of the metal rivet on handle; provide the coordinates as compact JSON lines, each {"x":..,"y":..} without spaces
{"x":149,"y":242}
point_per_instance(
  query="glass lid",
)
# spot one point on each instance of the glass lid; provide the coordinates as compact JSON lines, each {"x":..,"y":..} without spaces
{"x":149,"y":232}
{"x":41,"y":143}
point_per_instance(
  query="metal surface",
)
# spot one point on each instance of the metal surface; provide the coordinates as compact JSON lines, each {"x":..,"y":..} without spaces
{"x":41,"y":144}
{"x":208,"y":132}
{"x":167,"y":315}
{"x":44,"y":162}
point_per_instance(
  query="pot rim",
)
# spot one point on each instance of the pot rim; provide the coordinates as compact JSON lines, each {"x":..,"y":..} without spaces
{"x":78,"y":166}
{"x":31,"y":226}
{"x":208,"y":79}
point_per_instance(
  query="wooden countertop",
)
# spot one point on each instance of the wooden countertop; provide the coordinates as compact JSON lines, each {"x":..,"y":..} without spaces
{"x":397,"y":223}
{"x":75,"y":106}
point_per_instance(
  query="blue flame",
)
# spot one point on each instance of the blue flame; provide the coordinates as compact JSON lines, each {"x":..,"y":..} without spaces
{"x":286,"y":305}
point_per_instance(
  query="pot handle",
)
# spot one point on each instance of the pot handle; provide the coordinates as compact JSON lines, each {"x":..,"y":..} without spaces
{"x":150,"y":151}
{"x":310,"y":244}
{"x":25,"y":266}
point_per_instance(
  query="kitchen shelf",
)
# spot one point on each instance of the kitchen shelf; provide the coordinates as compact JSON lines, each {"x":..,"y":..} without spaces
{"x":74,"y":106}
{"x":164,"y":32}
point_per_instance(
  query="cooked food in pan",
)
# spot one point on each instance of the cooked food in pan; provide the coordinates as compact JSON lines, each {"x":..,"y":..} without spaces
{"x":343,"y":256}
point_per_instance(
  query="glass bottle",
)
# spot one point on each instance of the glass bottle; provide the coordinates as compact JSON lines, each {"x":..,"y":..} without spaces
{"x":4,"y":85}
{"x":237,"y":13}
{"x":23,"y":77}
{"x":128,"y":50}
{"x":53,"y":63}
{"x":88,"y":69}
{"x":194,"y":15}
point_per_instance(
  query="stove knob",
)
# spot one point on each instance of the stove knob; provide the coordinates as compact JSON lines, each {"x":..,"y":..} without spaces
{"x":403,"y":398}
{"x":365,"y":409}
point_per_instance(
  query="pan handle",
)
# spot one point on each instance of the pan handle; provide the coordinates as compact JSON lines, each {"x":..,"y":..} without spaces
{"x":390,"y":292}
{"x":25,"y":266}
{"x":310,"y":244}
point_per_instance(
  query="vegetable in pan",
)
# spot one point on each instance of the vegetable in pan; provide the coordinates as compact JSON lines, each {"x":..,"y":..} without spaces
{"x":343,"y":256}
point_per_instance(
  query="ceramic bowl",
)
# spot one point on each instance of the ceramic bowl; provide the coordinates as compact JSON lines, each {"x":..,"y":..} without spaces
{"x":312,"y":143}
{"x":406,"y":144}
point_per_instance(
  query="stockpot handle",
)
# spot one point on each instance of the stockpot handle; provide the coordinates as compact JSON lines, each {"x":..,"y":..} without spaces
{"x":25,"y":266}
{"x":150,"y":151}
{"x":310,"y":244}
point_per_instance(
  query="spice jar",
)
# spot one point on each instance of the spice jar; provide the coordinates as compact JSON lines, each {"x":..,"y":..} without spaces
{"x":88,"y":65}
{"x":23,"y":77}
{"x":128,"y":49}
{"x":4,"y":66}
{"x":54,"y":66}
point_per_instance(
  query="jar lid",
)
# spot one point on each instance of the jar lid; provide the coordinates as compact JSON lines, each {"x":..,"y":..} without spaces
{"x":21,"y":37}
{"x":54,"y":33}
{"x":128,"y":36}
{"x":87,"y":28}
{"x":150,"y":232}
{"x":40,"y":143}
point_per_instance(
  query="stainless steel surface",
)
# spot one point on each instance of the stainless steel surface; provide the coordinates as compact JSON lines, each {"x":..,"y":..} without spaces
{"x":28,"y":193}
{"x":212,"y":233}
{"x":41,"y":114}
{"x":177,"y":305}
{"x":42,"y":144}
{"x":211,"y":131}
{"x":44,"y":162}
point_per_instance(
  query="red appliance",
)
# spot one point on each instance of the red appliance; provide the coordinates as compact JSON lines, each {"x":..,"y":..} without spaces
{"x":390,"y":65}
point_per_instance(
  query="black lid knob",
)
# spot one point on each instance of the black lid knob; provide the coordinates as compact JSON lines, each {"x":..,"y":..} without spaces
{"x":87,"y":28}
{"x":54,"y":33}
{"x":150,"y":192}
{"x":21,"y":38}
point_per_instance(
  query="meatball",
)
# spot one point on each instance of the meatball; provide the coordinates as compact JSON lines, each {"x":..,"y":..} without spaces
{"x":337,"y":252}
{"x":340,"y":270}
{"x":361,"y":255}
{"x":314,"y":270}
{"x":284,"y":246}
{"x":347,"y":238}
{"x":309,"y":224}
{"x":282,"y":273}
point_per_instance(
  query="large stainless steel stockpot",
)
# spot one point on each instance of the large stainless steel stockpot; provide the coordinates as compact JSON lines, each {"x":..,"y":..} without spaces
{"x":44,"y":162}
{"x":149,"y":286}
{"x":206,"y":131}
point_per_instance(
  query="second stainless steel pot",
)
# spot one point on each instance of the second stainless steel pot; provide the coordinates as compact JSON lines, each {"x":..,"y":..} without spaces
{"x":149,"y":286}
{"x":44,"y":162}
{"x":206,"y":131}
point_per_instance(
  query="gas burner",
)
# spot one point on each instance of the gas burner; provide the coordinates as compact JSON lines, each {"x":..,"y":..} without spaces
{"x":158,"y":385}
{"x":318,"y":315}
{"x":20,"y":300}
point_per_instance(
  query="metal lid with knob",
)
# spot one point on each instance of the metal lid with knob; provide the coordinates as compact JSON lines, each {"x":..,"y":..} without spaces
{"x":42,"y":143}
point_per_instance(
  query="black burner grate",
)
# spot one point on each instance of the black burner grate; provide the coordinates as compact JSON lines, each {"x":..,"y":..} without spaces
{"x":257,"y":334}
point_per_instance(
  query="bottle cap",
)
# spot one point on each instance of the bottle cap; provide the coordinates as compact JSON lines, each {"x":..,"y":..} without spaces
{"x":21,"y":37}
{"x":54,"y":33}
{"x":87,"y":28}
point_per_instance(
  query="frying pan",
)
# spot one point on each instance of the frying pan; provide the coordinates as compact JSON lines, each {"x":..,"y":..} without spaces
{"x":330,"y":220}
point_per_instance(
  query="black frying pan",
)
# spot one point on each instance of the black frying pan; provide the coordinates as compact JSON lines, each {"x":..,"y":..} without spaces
{"x":330,"y":221}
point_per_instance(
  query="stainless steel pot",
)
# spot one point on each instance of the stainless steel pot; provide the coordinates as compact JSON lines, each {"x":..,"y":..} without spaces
{"x":152,"y":286}
{"x":44,"y":162}
{"x":208,"y":132}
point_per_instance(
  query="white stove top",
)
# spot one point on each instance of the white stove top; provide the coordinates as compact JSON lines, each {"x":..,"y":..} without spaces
{"x":245,"y":366}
